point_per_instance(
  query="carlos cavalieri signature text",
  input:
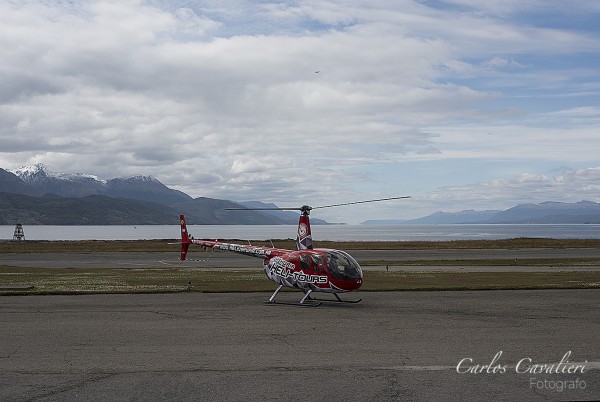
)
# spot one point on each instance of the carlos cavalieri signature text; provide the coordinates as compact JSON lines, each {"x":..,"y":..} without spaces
{"x":523,"y":366}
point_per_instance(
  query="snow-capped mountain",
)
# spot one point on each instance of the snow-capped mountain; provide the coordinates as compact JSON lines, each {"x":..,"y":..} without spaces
{"x":41,"y":172}
{"x":48,"y":180}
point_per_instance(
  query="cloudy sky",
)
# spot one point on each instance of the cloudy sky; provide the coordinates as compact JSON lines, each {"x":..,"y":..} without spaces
{"x":462,"y":104}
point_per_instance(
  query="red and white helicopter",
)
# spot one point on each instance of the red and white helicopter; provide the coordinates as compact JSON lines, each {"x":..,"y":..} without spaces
{"x":305,"y":268}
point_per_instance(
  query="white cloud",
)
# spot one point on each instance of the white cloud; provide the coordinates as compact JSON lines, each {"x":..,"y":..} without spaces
{"x":246,"y":100}
{"x":570,"y":186}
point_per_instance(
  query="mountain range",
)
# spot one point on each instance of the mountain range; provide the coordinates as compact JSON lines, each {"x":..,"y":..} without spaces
{"x":41,"y":195}
{"x":543,"y":213}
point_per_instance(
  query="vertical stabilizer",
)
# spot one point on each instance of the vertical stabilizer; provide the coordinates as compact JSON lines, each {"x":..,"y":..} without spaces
{"x":185,"y":239}
{"x":304,"y":240}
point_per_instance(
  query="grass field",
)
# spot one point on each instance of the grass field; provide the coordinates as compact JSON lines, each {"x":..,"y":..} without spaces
{"x":26,"y":281}
{"x":69,"y":281}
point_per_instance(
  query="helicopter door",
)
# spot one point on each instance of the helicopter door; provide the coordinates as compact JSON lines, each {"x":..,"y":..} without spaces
{"x":305,"y":262}
{"x":318,"y":263}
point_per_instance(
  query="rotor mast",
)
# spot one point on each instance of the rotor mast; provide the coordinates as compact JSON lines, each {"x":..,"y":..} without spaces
{"x":305,"y":210}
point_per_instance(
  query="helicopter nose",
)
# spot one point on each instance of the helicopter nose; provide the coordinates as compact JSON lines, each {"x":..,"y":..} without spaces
{"x":353,"y":284}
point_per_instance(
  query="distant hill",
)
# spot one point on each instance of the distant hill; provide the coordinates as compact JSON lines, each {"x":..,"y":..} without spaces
{"x":439,"y":218}
{"x":209,"y":211}
{"x":144,"y":188}
{"x":550,"y":212}
{"x":543,"y":213}
{"x":91,"y":210}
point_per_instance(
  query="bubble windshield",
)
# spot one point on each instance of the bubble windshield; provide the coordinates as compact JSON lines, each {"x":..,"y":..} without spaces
{"x":343,"y":266}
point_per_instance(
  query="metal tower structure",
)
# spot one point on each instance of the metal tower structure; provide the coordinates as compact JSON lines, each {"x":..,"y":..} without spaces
{"x":19,"y":234}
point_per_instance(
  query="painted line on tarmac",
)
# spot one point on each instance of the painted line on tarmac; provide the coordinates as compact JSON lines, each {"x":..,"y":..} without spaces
{"x":418,"y":368}
{"x":586,"y":364}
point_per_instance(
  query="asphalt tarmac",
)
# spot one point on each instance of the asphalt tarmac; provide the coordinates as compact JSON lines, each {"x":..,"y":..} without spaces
{"x":485,"y":345}
{"x":391,"y":346}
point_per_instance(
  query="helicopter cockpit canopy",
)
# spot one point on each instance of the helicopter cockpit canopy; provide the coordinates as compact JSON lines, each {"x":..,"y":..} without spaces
{"x":343,"y":266}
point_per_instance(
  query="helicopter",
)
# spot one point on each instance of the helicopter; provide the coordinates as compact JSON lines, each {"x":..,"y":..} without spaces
{"x":306,"y":268}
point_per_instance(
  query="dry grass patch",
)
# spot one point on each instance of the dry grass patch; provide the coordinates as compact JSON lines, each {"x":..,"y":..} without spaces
{"x":82,"y":281}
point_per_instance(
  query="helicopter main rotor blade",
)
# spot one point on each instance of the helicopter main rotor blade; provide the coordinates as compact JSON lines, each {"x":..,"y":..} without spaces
{"x":362,"y":202}
{"x":306,"y":208}
{"x":263,"y":209}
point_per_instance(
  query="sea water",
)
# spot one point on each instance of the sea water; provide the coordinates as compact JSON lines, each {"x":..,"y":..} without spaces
{"x":319,"y":232}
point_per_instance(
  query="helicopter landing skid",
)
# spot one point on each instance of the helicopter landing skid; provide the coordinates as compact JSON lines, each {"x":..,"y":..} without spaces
{"x":305,"y":302}
{"x":338,"y":300}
